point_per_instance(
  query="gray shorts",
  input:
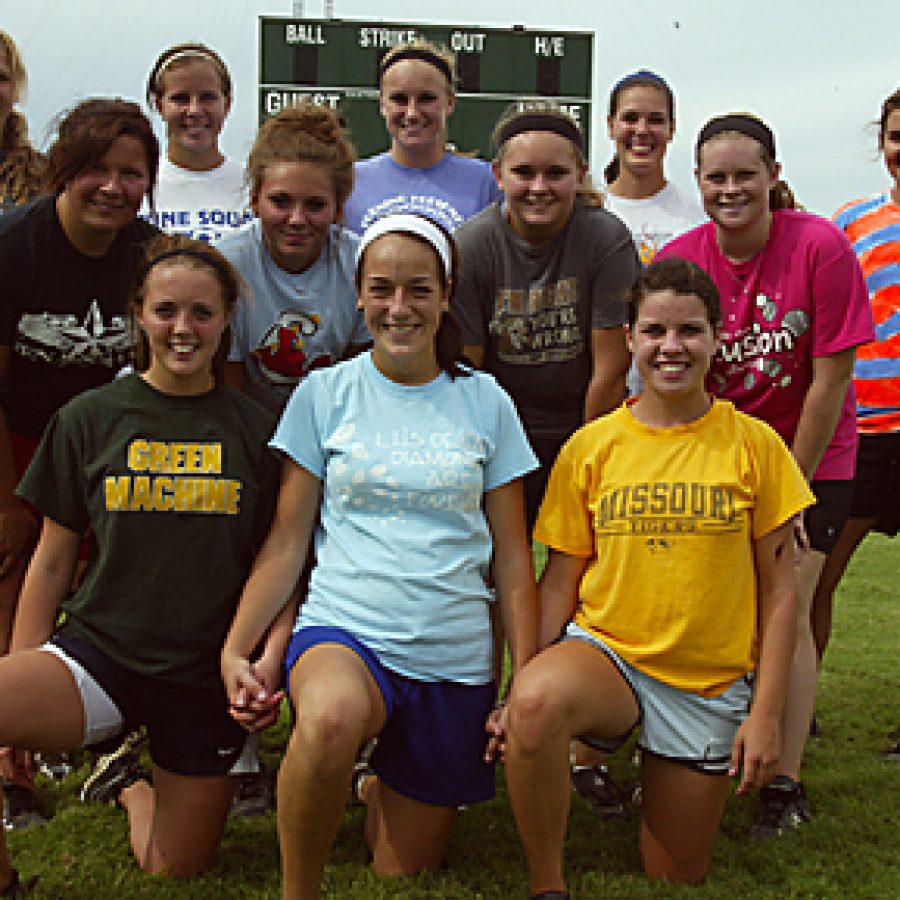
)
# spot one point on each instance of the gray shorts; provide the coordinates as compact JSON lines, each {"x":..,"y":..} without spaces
{"x":683,"y":727}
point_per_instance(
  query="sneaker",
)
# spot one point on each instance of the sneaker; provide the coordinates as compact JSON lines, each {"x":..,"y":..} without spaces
{"x":20,"y":808}
{"x":782,"y":805}
{"x":596,"y":785}
{"x":893,"y":753}
{"x":54,"y":765}
{"x":251,"y":795}
{"x":113,"y":772}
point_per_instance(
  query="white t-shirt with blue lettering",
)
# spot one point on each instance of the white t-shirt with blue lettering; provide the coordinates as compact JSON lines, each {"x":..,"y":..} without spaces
{"x":403,"y":544}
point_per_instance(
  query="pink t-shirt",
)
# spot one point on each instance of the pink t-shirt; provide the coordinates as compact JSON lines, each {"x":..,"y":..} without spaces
{"x":802,"y":296}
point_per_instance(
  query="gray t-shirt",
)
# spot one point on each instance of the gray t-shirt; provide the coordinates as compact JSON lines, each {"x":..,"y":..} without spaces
{"x":532,"y":308}
{"x":291,"y":323}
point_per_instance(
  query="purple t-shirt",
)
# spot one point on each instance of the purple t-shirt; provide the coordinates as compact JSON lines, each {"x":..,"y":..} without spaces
{"x":802,"y":296}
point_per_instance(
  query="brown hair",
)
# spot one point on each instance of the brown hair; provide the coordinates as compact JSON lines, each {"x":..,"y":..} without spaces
{"x":448,"y":341}
{"x":305,"y":133}
{"x":681,"y":277}
{"x":891,"y":104}
{"x":641,"y":78}
{"x":749,"y":126}
{"x":588,"y":194}
{"x":178,"y":250}
{"x":181,"y":55}
{"x":21,"y":166}
{"x":87,"y":132}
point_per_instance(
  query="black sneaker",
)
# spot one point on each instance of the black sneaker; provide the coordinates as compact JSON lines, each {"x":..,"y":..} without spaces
{"x":782,"y":806}
{"x":113,"y":772}
{"x":20,"y":808}
{"x":54,"y":765}
{"x":596,"y":785}
{"x":251,"y":795}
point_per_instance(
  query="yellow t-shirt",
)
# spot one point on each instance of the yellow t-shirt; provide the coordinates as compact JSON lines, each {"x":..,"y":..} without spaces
{"x":668,"y":517}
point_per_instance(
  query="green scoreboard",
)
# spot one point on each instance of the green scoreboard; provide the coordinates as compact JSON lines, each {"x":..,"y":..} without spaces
{"x":334,"y":62}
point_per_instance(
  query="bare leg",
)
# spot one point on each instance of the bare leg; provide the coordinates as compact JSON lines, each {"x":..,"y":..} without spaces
{"x":801,"y":695}
{"x":405,"y":836}
{"x":177,"y":824}
{"x":851,"y":537}
{"x":680,"y":814}
{"x":9,"y":599}
{"x":569,"y":689}
{"x":339,"y":707}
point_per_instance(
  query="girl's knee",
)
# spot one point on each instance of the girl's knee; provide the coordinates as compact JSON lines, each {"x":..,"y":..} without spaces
{"x":536,"y":709}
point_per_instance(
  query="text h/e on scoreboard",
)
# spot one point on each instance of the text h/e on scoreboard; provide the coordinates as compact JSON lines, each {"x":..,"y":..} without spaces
{"x":335,"y":63}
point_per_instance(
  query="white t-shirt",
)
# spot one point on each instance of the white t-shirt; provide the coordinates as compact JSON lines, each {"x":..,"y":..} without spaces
{"x":205,"y":205}
{"x":653,"y":222}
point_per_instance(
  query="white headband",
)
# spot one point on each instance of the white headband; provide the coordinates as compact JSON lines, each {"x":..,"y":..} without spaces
{"x":408,"y":224}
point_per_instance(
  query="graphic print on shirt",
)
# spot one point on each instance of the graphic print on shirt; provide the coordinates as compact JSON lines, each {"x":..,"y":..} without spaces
{"x":662,"y":511}
{"x":64,"y":339}
{"x":175,"y":477}
{"x":280,"y":355}
{"x":208,"y":225}
{"x":763,"y":351}
{"x":539,"y":325}
{"x":435,"y":208}
{"x":401,"y":471}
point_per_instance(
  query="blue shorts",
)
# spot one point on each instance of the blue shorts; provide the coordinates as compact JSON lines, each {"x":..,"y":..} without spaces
{"x":431,"y":748}
{"x":678,"y":725}
{"x":190,"y":729}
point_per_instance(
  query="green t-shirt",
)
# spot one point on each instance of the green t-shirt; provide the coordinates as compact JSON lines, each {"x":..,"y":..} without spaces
{"x":178,"y":493}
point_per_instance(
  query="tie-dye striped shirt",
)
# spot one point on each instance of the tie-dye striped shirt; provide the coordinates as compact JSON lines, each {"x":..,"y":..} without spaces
{"x":873,"y":227}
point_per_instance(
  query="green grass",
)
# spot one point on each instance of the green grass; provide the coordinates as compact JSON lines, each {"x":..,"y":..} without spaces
{"x":848,"y":851}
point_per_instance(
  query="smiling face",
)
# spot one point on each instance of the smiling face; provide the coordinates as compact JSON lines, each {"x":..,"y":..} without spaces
{"x":106,"y":196}
{"x":415,"y":101}
{"x":673,"y":343}
{"x":641,"y":129}
{"x":540,"y":174}
{"x":734,"y":182}
{"x":183,"y":317}
{"x":193,"y":104}
{"x":296,"y":206}
{"x":403,"y":298}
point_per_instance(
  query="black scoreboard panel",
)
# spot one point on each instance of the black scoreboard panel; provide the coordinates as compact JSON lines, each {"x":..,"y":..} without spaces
{"x":335,"y":62}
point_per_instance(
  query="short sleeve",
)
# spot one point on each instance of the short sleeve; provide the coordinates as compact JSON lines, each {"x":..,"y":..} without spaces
{"x":781,"y":489}
{"x":469,"y":303}
{"x":512,"y":457}
{"x":299,"y":431}
{"x":842,"y":316}
{"x":564,"y":520}
{"x":614,"y":274}
{"x":54,"y":481}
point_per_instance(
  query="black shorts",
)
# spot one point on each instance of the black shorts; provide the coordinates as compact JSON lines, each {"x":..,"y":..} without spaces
{"x":190,"y":729}
{"x":876,"y":488}
{"x":826,"y":519}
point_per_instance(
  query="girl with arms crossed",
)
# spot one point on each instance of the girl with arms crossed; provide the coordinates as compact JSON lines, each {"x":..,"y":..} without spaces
{"x":669,"y":528}
{"x":794,"y":311}
{"x":413,"y":465}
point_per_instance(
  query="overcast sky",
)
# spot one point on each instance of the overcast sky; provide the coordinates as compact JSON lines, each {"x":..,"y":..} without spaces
{"x":815,"y":70}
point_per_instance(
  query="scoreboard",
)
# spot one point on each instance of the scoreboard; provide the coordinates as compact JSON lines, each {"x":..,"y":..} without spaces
{"x":335,"y":62}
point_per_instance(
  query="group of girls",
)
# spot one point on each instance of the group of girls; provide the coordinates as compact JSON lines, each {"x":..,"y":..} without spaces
{"x":412,"y":472}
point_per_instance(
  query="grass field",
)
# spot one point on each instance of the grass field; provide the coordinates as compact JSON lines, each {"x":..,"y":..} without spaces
{"x":848,"y":851}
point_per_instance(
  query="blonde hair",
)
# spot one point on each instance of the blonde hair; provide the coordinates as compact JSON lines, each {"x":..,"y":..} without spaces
{"x":180,"y":55}
{"x":588,"y":194}
{"x":22,"y":167}
{"x":443,"y":58}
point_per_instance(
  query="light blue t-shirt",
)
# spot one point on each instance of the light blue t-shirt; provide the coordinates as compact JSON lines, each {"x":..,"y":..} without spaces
{"x":403,"y":545}
{"x":292,"y":323}
{"x":448,"y":192}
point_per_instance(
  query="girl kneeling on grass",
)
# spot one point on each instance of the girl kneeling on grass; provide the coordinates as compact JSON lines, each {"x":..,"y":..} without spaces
{"x":413,"y":465}
{"x":170,"y":474}
{"x":669,"y":528}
